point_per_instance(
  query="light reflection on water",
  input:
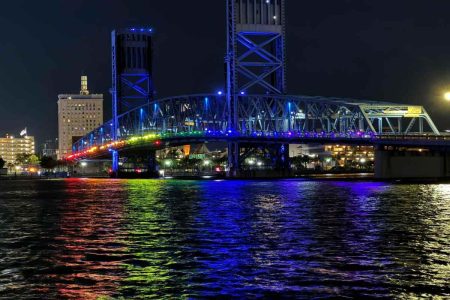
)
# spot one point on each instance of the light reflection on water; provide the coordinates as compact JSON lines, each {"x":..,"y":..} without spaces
{"x":192,"y":239}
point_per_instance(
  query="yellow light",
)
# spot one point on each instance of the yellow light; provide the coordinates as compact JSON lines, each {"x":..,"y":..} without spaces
{"x":447,"y":96}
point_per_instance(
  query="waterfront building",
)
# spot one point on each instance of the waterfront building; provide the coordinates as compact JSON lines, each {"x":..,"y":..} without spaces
{"x":10,"y":146}
{"x":346,"y":155}
{"x":327,"y":157}
{"x":78,"y":114}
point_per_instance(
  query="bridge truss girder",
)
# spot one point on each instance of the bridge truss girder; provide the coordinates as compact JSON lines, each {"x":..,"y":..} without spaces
{"x":257,"y":114}
{"x":397,"y":119}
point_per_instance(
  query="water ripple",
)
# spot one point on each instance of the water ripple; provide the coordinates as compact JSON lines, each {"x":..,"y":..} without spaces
{"x":91,"y":239}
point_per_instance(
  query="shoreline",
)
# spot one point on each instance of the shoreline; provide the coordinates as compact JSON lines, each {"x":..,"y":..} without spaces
{"x":353,"y":177}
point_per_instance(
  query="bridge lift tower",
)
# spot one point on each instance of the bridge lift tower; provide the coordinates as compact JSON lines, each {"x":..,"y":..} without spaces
{"x":132,"y":84}
{"x":255,"y":57}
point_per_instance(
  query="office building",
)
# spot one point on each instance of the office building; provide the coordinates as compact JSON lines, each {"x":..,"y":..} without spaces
{"x":78,"y":114}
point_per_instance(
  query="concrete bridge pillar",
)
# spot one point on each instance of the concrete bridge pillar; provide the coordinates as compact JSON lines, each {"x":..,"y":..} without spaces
{"x":402,"y":163}
{"x":152,"y":164}
{"x":282,"y":156}
{"x":233,"y":160}
{"x":115,"y":164}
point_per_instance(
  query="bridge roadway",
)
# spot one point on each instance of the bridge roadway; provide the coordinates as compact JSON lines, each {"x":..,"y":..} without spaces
{"x":161,"y":141}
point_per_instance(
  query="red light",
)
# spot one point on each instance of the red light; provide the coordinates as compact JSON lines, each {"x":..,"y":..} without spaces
{"x":110,"y":170}
{"x":217,"y":169}
{"x":157,"y":143}
{"x":138,"y":171}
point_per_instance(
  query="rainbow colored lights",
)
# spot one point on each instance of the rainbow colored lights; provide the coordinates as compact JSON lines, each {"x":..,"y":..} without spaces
{"x":156,"y":139}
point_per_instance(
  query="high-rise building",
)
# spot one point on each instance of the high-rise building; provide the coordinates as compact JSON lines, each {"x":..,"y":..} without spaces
{"x":10,"y":146}
{"x":78,"y":114}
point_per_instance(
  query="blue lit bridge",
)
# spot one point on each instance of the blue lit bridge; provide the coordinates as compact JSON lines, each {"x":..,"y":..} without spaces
{"x":253,"y":111}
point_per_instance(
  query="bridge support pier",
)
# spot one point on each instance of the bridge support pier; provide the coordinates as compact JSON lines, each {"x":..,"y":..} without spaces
{"x":402,"y":163}
{"x":248,"y":160}
{"x":282,"y":156}
{"x":152,"y":164}
{"x":115,"y":164}
{"x":233,"y":159}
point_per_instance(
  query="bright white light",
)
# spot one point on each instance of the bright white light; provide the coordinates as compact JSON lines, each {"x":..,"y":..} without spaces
{"x":259,"y":163}
{"x":363,"y":160}
{"x":447,"y":96}
{"x":206,"y":162}
{"x":83,"y":164}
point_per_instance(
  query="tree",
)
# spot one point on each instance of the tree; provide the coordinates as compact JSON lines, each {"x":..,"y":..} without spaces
{"x":2,"y":163}
{"x":10,"y":166}
{"x":48,"y":163}
{"x":23,"y":159}
{"x":34,"y":160}
{"x":300,"y":161}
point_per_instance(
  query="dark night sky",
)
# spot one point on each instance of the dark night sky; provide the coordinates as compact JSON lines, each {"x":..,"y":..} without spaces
{"x":392,"y":50}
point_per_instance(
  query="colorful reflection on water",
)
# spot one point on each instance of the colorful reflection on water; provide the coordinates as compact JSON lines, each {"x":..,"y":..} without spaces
{"x":91,"y":239}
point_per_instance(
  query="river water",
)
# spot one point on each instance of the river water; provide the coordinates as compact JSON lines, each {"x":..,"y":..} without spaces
{"x":169,"y":239}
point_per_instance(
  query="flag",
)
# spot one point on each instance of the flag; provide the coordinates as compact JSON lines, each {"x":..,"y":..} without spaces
{"x":23,"y":132}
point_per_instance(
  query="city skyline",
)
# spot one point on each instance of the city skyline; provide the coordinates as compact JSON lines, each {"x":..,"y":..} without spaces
{"x":346,"y":49}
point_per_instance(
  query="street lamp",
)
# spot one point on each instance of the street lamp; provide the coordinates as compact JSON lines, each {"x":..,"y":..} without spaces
{"x":207,"y":163}
{"x":168,"y":163}
{"x":447,"y":96}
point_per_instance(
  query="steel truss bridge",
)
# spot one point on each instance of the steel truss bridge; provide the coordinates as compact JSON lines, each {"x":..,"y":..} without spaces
{"x":262,"y":118}
{"x":255,"y":107}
